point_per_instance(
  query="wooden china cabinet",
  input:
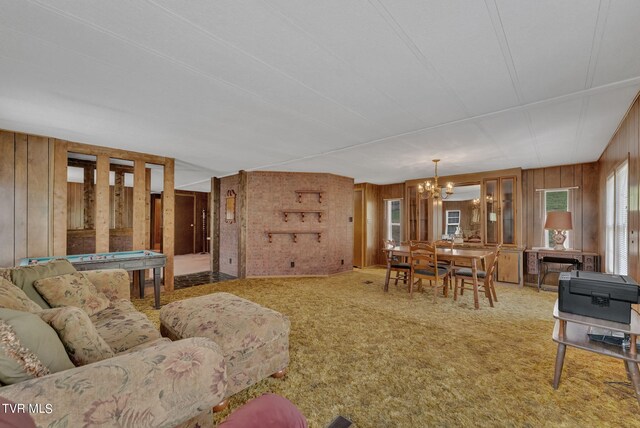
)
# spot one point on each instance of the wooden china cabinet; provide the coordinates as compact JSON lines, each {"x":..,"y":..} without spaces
{"x":491,"y":216}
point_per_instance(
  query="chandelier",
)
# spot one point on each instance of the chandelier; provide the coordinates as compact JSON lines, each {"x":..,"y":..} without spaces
{"x":434,"y":190}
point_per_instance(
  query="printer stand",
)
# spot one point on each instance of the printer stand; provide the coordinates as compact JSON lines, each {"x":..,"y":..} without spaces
{"x":571,"y":330}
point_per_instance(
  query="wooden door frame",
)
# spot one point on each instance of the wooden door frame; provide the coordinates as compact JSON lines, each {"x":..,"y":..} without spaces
{"x":363,"y":230}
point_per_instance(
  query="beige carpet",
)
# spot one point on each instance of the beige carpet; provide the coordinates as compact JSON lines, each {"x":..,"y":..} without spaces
{"x":383,"y":360}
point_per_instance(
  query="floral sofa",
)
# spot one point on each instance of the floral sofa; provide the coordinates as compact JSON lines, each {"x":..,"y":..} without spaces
{"x":140,"y":379}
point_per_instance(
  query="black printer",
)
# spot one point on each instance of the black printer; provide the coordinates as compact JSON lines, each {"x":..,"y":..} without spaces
{"x":598,"y":295}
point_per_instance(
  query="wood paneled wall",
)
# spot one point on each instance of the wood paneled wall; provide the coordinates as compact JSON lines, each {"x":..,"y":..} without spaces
{"x":624,"y":145}
{"x":33,"y":191}
{"x":584,"y":235}
{"x":26,"y":223}
{"x":370,"y":222}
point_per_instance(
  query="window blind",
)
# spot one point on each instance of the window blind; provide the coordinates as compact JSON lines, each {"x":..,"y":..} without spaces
{"x":621,"y":195}
{"x":610,"y":224}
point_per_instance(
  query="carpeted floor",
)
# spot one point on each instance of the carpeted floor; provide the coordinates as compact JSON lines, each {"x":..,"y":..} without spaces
{"x":383,"y":360}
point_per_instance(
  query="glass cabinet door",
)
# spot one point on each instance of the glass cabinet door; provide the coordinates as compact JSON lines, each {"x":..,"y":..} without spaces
{"x":423,"y":216}
{"x":507,"y":197}
{"x":491,"y":211}
{"x":412,"y":213}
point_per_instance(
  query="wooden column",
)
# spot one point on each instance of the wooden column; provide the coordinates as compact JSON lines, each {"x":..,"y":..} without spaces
{"x":241,"y":219}
{"x":7,"y":195}
{"x":37,"y":197}
{"x":139,"y":205}
{"x":118,"y":198}
{"x":60,"y":197}
{"x":102,"y":203}
{"x":89,"y":198}
{"x":214,"y":228}
{"x":147,"y":208}
{"x":168,"y":222}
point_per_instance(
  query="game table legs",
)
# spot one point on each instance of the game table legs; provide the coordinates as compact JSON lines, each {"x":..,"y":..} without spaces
{"x":156,"y":287}
{"x":141,"y":281}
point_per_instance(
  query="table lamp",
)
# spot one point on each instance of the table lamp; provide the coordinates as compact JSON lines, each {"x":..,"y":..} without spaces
{"x":559,"y":222}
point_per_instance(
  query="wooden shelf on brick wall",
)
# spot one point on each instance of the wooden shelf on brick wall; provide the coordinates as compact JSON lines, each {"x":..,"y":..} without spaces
{"x":317,"y":192}
{"x":294,"y":233}
{"x":302,"y":214}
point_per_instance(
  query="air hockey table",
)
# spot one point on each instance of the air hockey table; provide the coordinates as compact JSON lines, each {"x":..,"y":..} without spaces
{"x":136,"y":261}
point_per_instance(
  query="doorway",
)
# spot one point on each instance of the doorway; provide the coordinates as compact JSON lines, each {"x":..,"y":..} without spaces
{"x":358,"y":228}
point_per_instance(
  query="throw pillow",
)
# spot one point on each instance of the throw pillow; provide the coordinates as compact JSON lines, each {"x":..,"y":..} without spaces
{"x":6,"y":273}
{"x":29,"y":348}
{"x":78,"y":334}
{"x":72,"y":289}
{"x":12,"y":297}
{"x":24,"y":277}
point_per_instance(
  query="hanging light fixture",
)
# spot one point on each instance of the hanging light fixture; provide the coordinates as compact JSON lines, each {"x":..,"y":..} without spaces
{"x":434,"y":190}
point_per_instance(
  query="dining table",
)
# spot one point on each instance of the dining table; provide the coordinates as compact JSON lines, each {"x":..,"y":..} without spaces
{"x":474,"y":256}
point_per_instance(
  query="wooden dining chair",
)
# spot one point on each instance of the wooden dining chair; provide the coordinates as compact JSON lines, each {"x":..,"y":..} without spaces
{"x":486,"y":281}
{"x":395,"y":264}
{"x":424,"y":265}
{"x":446,"y":243}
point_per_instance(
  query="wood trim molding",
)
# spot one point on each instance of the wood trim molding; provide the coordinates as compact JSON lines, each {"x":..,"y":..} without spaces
{"x":139,"y":205}
{"x":102,"y":203}
{"x":241,"y":220}
{"x":168,"y":223}
{"x":88,"y":149}
{"x":60,"y":197}
{"x":214,"y":209}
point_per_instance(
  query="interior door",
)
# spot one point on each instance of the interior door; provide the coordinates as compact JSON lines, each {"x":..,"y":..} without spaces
{"x":185,"y":220}
{"x":358,"y":228}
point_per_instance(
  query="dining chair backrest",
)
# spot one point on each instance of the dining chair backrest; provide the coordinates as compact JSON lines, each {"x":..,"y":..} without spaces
{"x":423,"y":254}
{"x":491,"y":264}
{"x":388,"y":245}
{"x":443,"y":243}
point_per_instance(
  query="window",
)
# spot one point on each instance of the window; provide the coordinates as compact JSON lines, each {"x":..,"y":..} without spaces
{"x":616,"y":251}
{"x":453,"y":221}
{"x":556,"y":200}
{"x":393,"y":219}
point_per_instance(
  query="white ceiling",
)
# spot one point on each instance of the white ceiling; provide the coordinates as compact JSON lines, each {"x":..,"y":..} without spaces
{"x":370,"y":89}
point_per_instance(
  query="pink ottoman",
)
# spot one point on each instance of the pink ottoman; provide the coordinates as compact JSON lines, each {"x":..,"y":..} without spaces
{"x":254,"y":339}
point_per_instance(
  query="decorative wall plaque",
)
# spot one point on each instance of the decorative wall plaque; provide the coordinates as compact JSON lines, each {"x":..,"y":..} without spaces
{"x":230,"y":207}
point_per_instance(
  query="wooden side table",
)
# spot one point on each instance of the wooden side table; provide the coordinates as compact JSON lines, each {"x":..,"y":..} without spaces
{"x":571,"y":330}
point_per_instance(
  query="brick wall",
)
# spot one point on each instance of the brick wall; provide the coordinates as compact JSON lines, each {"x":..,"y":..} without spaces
{"x":268,"y":194}
{"x":228,"y":231}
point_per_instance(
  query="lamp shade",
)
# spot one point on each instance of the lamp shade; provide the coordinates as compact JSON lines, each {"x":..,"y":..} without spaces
{"x":558,"y":220}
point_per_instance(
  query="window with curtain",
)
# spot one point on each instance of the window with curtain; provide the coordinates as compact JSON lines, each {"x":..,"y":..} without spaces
{"x":556,"y":200}
{"x":560,"y":199}
{"x":616,"y":247}
{"x":393,"y":219}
